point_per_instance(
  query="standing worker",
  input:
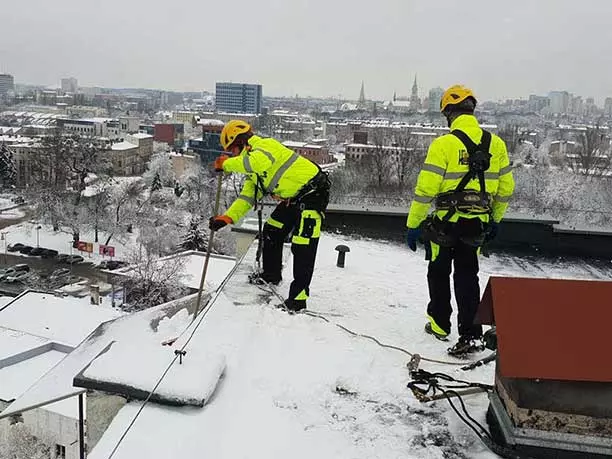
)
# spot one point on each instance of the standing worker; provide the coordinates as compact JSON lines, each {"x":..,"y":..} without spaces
{"x":303,"y":191}
{"x":468,"y":176}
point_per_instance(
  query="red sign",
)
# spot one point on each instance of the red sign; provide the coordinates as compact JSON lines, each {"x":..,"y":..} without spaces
{"x":83,"y":246}
{"x":107,"y":250}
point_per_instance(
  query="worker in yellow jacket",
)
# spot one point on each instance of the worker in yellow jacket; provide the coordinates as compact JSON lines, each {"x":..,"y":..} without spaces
{"x":467,"y":176}
{"x":303,"y":191}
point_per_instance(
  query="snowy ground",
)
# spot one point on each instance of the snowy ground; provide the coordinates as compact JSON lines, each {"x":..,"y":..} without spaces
{"x":279,"y":396}
{"x":9,"y":209}
{"x":61,"y":241}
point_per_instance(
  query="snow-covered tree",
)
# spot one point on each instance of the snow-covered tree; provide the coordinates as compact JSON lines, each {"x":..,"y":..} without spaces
{"x":125,"y":200}
{"x":195,"y":238}
{"x":153,"y":281}
{"x":159,"y":166}
{"x":199,"y":188}
{"x":156,"y":185}
{"x":64,"y":167}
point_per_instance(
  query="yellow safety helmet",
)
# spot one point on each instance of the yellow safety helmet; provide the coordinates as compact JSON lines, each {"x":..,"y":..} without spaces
{"x":455,"y":95}
{"x":231,"y":130}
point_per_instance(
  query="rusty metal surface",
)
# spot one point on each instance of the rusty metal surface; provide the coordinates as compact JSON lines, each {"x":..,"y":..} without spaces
{"x":551,"y":329}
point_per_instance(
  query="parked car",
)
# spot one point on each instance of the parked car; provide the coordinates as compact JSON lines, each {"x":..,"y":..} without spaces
{"x":62,"y":258}
{"x":18,"y":200}
{"x":22,"y":267}
{"x":36,"y":251}
{"x":15,"y":247}
{"x":49,"y":253}
{"x":26,"y":249}
{"x":17,"y":277}
{"x":112,"y":264}
{"x":60,"y":272}
{"x":72,"y":259}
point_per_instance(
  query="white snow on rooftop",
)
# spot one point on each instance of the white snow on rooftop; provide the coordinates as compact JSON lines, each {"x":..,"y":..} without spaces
{"x":121,"y":146}
{"x":142,"y":135}
{"x":191,"y":271}
{"x":210,"y":122}
{"x":13,"y":342}
{"x":65,"y":320}
{"x":17,"y":378}
{"x":279,"y":396}
{"x":136,"y":329}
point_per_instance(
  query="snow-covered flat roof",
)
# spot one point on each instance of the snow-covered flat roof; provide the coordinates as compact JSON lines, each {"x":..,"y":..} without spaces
{"x":17,"y":378}
{"x":121,"y":146}
{"x":151,"y":326}
{"x":142,"y":135}
{"x":14,"y":342}
{"x":191,"y":270}
{"x":300,"y":387}
{"x":210,"y":122}
{"x":65,"y":320}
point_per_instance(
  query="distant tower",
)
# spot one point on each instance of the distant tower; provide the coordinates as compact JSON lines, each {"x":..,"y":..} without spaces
{"x":394,"y":96}
{"x":362,"y":99}
{"x":415,"y":103}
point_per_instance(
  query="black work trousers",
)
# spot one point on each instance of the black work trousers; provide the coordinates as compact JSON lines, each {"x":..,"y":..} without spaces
{"x":306,"y":226}
{"x":464,"y":257}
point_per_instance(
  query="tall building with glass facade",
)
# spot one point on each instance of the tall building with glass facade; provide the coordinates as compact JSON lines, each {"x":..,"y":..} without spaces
{"x":238,"y":98}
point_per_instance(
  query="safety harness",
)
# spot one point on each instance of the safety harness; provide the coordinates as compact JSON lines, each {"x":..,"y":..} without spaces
{"x":440,"y":230}
{"x":469,"y":201}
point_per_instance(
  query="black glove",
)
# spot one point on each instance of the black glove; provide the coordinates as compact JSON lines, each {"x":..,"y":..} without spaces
{"x":219,"y":221}
{"x":491,"y":231}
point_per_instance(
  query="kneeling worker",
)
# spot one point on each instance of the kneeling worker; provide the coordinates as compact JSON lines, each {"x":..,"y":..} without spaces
{"x":468,"y":176}
{"x":303,"y":191}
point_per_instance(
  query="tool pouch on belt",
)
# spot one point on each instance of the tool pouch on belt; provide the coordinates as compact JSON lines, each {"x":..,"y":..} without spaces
{"x":435,"y":230}
{"x":315,"y":194}
{"x":471,"y":232}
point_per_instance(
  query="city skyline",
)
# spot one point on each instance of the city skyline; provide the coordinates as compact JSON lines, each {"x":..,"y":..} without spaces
{"x":317,"y":48}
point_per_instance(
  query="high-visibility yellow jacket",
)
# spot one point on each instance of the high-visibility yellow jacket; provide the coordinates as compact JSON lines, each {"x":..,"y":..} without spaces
{"x":446,"y":165}
{"x":280,"y":171}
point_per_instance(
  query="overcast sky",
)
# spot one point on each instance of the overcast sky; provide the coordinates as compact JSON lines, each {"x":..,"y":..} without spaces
{"x":314,"y":47}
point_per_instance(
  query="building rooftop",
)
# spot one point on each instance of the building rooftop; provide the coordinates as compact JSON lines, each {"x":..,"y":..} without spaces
{"x":191,"y":269}
{"x":301,"y":387}
{"x":142,"y":135}
{"x":120,"y":146}
{"x":60,"y":319}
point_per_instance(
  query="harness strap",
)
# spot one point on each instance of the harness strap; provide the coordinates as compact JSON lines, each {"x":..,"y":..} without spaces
{"x":472,"y":148}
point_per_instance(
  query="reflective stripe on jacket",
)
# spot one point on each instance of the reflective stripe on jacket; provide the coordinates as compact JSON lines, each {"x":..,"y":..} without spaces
{"x":445,"y":166}
{"x":281,"y":172}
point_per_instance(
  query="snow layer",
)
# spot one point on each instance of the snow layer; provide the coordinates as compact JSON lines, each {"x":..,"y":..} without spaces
{"x":299,"y":387}
{"x":14,"y":342}
{"x":15,"y":379}
{"x":191,"y":382}
{"x":63,"y":319}
{"x":150,"y":326}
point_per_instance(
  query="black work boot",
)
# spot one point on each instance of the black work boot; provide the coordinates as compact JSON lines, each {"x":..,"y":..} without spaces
{"x":293,"y":306}
{"x":429,"y":330}
{"x":466,"y":346}
{"x":261,"y":278}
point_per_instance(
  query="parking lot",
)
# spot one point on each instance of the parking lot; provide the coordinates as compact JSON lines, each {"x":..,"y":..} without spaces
{"x":45,"y":273}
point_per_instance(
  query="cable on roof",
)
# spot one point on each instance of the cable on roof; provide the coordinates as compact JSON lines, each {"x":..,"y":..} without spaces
{"x":321,"y":315}
{"x":200,"y":318}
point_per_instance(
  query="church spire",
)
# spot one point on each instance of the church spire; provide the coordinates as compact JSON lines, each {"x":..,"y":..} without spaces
{"x":415,"y":102}
{"x":362,"y":99}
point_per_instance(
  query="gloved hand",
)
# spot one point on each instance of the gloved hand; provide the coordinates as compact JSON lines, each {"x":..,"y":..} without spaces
{"x":219,"y":221}
{"x":412,"y":236}
{"x":219,"y":162}
{"x":491,"y":231}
